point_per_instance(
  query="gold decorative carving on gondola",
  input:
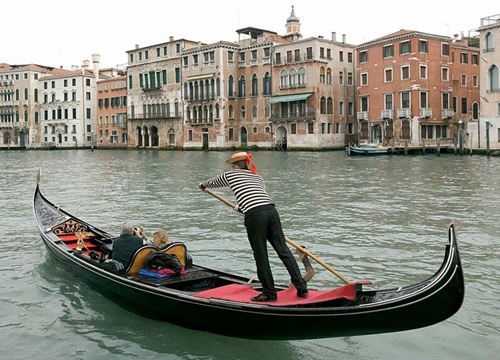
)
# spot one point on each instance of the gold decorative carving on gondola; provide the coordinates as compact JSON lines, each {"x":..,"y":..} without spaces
{"x":80,"y":244}
{"x":69,"y":227}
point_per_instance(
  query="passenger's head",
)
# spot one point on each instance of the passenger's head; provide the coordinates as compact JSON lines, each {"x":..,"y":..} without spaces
{"x":160,"y":238}
{"x":128,"y":228}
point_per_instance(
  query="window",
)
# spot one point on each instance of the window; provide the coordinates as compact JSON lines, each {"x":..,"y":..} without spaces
{"x":388,"y":75}
{"x":474,"y":80}
{"x":475,"y":59}
{"x":488,"y":42}
{"x":284,"y":79}
{"x":405,"y":72}
{"x":423,"y":100}
{"x":388,"y":51}
{"x":464,"y":105}
{"x":388,"y":101}
{"x":423,"y":71}
{"x":364,"y":79}
{"x":445,"y":101}
{"x":445,"y":73}
{"x":254,"y":85}
{"x":404,"y":47}
{"x":422,"y":46}
{"x":293,"y":129}
{"x":464,"y":80}
{"x":405,"y":99}
{"x":309,"y":53}
{"x":349,"y":78}
{"x":341,"y":78}
{"x":445,"y":49}
{"x":310,"y":128}
{"x":363,"y":56}
{"x":349,"y":57}
{"x":464,"y":58}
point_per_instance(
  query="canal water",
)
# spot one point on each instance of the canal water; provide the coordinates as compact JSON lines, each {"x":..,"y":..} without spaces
{"x":382,"y":219}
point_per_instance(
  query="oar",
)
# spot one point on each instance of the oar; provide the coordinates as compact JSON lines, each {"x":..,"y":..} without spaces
{"x":288,"y":240}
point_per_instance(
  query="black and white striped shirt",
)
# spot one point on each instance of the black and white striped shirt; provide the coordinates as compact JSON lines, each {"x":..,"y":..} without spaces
{"x":248,"y":188}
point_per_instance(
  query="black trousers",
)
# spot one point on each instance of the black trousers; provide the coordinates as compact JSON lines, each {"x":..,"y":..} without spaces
{"x":264,"y":224}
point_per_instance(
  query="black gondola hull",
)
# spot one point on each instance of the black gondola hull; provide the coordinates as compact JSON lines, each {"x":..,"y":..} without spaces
{"x":373,"y":312}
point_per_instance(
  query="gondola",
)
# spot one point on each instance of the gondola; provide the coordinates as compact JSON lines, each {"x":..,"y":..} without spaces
{"x":219,"y":302}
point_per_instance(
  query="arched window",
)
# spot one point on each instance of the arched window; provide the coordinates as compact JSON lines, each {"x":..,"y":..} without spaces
{"x":241,"y":87}
{"x":493,"y":78}
{"x":322,"y":105}
{"x":266,"y":84}
{"x":284,"y":79}
{"x":328,"y":76}
{"x":254,"y":111}
{"x":254,"y":85}
{"x":322,"y":75}
{"x":230,"y":86}
{"x":242,"y":112}
{"x":329,"y":105}
{"x":489,"y":45}
{"x":293,"y":77}
{"x":231,"y":112}
{"x":302,"y":77}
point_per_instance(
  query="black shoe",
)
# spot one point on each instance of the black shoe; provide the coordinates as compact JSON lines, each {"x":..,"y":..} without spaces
{"x":263,"y":298}
{"x":302,"y":293}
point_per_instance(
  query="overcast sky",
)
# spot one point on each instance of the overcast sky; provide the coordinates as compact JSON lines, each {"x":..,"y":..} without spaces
{"x":66,"y":32}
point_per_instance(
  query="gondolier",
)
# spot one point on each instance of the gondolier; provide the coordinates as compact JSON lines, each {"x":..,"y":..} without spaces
{"x":262,"y":222}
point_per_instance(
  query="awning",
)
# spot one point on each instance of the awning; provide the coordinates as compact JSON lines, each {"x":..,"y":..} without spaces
{"x":288,"y":98}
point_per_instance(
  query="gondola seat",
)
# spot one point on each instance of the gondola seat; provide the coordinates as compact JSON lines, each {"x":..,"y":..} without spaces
{"x":179,"y":249}
{"x":138,"y":260}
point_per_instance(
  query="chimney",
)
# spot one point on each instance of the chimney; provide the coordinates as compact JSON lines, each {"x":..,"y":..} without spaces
{"x":95,"y":60}
{"x":343,"y":38}
{"x":171,"y":38}
{"x":136,"y":46}
{"x":334,"y":36}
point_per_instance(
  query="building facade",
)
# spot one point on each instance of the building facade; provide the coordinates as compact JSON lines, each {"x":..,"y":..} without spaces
{"x":154,"y":91}
{"x":415,"y":88}
{"x":111,"y":129}
{"x":485,"y":132}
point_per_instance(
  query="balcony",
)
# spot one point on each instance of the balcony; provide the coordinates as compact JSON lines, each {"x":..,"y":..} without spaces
{"x":404,"y":113}
{"x":387,"y":114}
{"x":426,"y":113}
{"x":151,"y":88}
{"x":292,"y":116}
{"x":447,"y":113}
{"x":362,"y":115}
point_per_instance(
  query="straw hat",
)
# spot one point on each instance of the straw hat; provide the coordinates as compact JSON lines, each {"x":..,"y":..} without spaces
{"x":237,"y":157}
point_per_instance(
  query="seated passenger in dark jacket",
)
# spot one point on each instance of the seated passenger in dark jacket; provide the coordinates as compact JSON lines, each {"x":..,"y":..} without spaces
{"x":126,"y":244}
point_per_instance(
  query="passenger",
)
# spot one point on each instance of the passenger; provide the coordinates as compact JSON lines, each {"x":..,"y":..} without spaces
{"x":126,"y":244}
{"x":161,"y":238}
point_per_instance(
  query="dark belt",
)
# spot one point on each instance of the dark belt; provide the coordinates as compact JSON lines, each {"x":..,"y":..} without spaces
{"x":259,"y":209}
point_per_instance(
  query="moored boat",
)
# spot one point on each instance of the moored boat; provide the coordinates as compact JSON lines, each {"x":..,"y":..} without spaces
{"x":207,"y":299}
{"x":368,"y":149}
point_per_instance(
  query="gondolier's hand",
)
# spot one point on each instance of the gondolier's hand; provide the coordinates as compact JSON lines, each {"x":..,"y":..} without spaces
{"x":236,"y":208}
{"x":201,"y":187}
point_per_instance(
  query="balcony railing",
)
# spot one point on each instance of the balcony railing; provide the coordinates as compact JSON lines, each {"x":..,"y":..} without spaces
{"x":404,"y":113}
{"x":447,"y":113}
{"x":362,"y":115}
{"x":308,"y":114}
{"x":387,"y":114}
{"x":425,"y":113}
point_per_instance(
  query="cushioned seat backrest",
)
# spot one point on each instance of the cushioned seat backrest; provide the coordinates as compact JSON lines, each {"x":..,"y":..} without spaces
{"x":138,"y":260}
{"x":179,"y":249}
